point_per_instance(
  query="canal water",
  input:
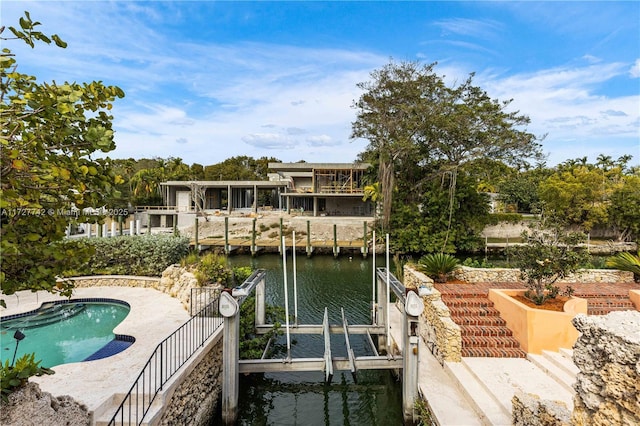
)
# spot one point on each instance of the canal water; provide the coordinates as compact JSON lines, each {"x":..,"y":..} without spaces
{"x":281,"y":399}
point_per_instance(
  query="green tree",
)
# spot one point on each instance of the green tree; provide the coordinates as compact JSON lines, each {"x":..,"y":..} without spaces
{"x":389,"y":115}
{"x":239,"y":168}
{"x":413,"y":119}
{"x":624,"y":207}
{"x":583,"y":192}
{"x":550,"y":254}
{"x":48,"y":133}
{"x":425,"y":225}
{"x":521,"y":190}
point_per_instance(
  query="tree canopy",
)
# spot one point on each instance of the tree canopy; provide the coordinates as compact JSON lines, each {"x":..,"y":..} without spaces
{"x":49,"y":132}
{"x":426,"y":131}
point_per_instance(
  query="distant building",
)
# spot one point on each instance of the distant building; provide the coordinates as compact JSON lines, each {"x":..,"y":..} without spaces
{"x":314,"y":189}
{"x":332,"y":189}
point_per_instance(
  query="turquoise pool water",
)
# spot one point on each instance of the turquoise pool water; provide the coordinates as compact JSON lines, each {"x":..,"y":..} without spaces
{"x":64,"y":333}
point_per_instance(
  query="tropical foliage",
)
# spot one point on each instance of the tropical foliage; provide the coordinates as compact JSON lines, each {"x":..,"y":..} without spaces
{"x":146,"y":255}
{"x":626,"y":261}
{"x":48,"y":135}
{"x":15,"y":376}
{"x":438,"y":266}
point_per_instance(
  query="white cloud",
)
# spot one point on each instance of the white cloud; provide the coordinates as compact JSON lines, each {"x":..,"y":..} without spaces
{"x":634,"y":71}
{"x":564,"y":103}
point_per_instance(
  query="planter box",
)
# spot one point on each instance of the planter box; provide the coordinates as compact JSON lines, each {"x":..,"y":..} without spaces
{"x":634,"y":295}
{"x":538,"y":329}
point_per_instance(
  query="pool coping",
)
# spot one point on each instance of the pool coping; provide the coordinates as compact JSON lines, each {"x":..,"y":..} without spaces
{"x":154,"y":315}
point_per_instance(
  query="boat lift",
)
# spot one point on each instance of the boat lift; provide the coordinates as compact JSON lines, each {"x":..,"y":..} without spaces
{"x":384,"y":282}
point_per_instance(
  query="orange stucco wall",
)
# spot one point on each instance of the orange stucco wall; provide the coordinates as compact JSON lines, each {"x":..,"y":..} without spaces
{"x":634,"y":295}
{"x":538,"y":329}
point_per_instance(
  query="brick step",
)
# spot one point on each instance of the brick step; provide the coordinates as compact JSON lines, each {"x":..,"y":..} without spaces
{"x":605,"y":310}
{"x":478,"y":320}
{"x":485,"y":330}
{"x":478,"y":311}
{"x":602,"y":296}
{"x":461,"y":302}
{"x":624,"y":303}
{"x":489,"y":342}
{"x":471,"y":294}
{"x":494,"y":352}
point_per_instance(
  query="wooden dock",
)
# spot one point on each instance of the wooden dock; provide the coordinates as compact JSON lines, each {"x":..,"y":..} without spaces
{"x":302,"y":244}
{"x":304,"y":241}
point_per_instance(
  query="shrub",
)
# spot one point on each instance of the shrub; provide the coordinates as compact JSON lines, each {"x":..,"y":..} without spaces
{"x":475,"y":263}
{"x":190,"y":259}
{"x":241,"y":273}
{"x":252,"y":344}
{"x":146,"y":255}
{"x":438,"y":266}
{"x":496,"y":218}
{"x":16,"y":376}
{"x":626,"y":261}
{"x":212,"y":268}
{"x":550,"y":253}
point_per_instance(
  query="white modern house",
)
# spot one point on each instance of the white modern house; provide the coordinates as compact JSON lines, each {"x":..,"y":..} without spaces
{"x":313,"y":189}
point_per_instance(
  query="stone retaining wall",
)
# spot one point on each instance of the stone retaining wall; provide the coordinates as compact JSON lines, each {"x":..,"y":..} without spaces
{"x":475,"y":275}
{"x":195,"y":400}
{"x":175,"y":281}
{"x":608,"y":356}
{"x":441,"y":335}
{"x":607,"y":353}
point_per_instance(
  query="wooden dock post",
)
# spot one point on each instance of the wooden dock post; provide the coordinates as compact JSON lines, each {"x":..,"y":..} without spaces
{"x":280,"y":245}
{"x":365,"y":245}
{"x":336,"y":249}
{"x":196,"y":234}
{"x":226,"y":235}
{"x":309,"y":247}
{"x":253,"y":238}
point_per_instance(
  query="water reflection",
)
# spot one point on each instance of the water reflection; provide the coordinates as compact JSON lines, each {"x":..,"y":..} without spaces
{"x":374,"y":398}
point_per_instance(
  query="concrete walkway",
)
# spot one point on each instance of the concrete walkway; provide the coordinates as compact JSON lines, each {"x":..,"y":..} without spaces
{"x":154,"y":316}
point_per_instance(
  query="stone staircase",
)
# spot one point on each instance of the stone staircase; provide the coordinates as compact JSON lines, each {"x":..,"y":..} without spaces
{"x":484,"y":333}
{"x":488,"y":384}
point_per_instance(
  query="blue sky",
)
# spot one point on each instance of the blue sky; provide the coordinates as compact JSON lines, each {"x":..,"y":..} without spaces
{"x":205,"y":80}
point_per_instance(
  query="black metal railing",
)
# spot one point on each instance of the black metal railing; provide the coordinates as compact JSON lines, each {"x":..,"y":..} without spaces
{"x":202,"y":297}
{"x":171,"y":354}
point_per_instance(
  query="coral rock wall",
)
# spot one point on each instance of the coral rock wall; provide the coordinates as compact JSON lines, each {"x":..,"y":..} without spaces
{"x":608,"y":356}
{"x":439,"y":332}
{"x":505,"y":275}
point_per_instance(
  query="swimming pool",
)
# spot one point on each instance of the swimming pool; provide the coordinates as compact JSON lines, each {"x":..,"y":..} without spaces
{"x":66,"y":331}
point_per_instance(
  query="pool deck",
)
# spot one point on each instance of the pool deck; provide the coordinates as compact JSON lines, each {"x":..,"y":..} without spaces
{"x":154,"y":316}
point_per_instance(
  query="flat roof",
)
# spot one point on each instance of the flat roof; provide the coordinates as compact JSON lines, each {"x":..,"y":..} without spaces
{"x":226,"y":183}
{"x":323,"y":166}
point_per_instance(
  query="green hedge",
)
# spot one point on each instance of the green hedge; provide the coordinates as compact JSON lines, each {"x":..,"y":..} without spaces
{"x":146,"y":255}
{"x":496,"y":218}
